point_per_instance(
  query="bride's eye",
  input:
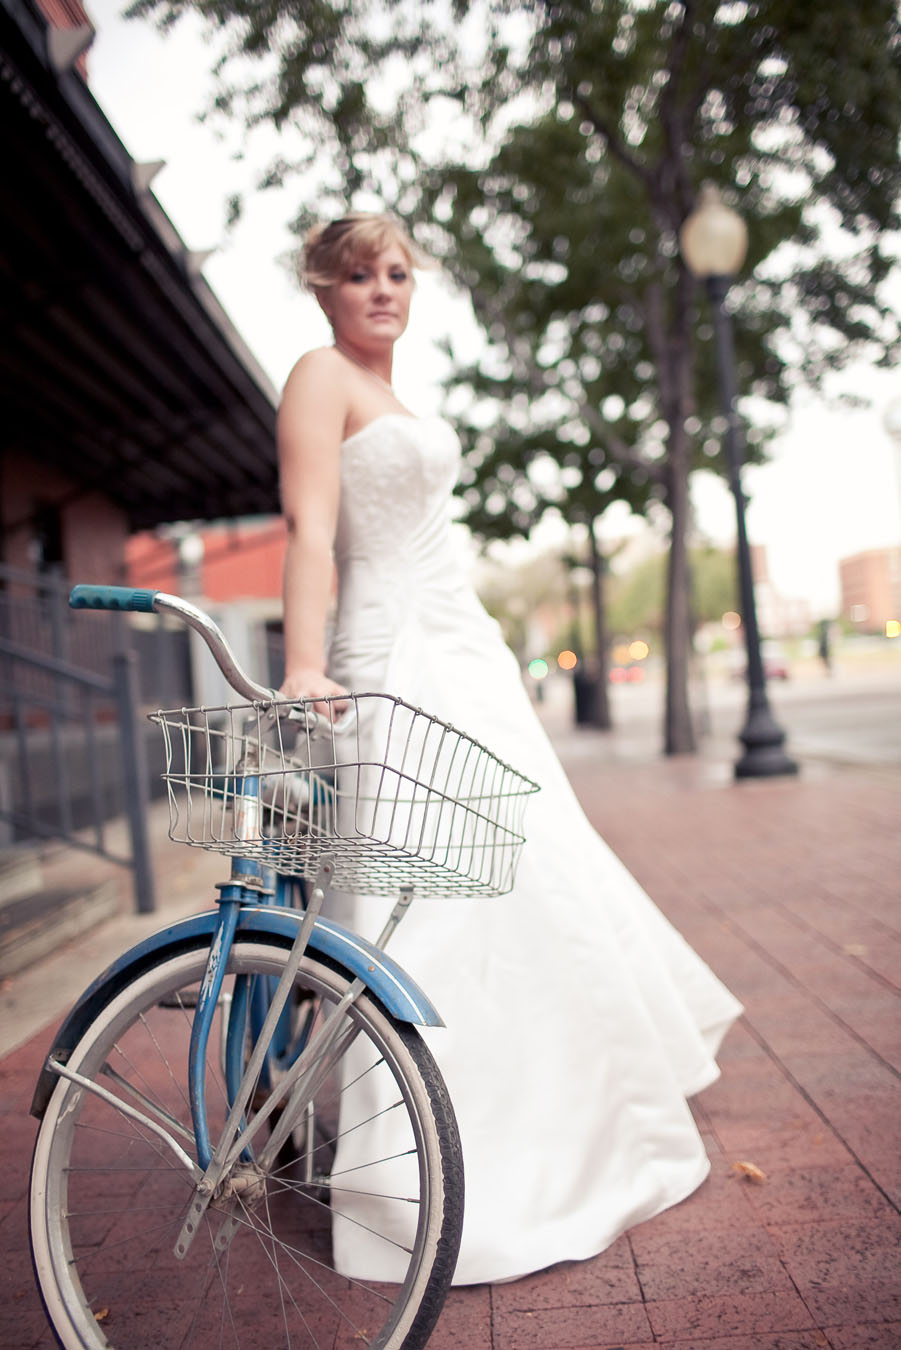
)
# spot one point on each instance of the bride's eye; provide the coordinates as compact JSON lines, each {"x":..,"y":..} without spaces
{"x":399,"y":275}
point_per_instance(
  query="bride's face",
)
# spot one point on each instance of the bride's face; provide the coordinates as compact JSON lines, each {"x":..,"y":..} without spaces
{"x":372,"y":304}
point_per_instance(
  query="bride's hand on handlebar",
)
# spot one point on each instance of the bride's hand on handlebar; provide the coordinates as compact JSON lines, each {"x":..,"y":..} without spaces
{"x":313,"y":684}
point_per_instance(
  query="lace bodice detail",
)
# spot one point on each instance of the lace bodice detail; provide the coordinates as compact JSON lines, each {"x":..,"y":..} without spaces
{"x":399,"y":571}
{"x":397,"y":475}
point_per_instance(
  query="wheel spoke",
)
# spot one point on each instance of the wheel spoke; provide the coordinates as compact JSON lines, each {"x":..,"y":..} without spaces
{"x":359,"y":1169}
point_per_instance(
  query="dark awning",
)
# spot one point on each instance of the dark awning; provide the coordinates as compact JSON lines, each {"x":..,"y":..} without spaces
{"x":117,"y":363}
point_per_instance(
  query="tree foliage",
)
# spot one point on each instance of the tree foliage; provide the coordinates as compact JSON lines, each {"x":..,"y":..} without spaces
{"x":601,"y":349}
{"x":549,"y":154}
{"x":345,"y":81}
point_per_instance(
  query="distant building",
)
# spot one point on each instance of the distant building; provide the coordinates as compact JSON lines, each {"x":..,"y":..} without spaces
{"x":778,"y":616}
{"x":233,"y":570}
{"x":238,"y":559}
{"x":871,"y":588}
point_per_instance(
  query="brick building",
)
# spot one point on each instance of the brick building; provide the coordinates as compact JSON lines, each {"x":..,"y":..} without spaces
{"x":129,"y":398}
{"x":129,"y":401}
{"x":871,"y":588}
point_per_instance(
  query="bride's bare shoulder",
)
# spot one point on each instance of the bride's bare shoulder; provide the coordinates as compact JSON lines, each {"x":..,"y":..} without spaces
{"x":318,"y":362}
{"x":318,"y":375}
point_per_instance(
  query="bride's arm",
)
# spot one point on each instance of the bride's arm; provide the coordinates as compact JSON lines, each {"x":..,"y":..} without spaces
{"x":310,"y":429}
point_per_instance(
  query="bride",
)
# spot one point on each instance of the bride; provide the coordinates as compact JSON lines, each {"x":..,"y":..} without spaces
{"x":578,"y":1021}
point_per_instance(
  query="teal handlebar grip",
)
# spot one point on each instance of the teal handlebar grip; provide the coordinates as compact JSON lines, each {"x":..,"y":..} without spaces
{"x":112,"y":597}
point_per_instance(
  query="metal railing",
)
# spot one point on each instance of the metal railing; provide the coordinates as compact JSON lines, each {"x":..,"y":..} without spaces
{"x":72,"y":752}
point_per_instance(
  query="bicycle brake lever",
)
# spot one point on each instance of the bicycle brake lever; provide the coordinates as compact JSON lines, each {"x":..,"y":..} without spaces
{"x":318,"y":724}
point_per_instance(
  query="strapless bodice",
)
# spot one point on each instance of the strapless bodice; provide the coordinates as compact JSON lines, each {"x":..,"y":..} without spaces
{"x":397,"y":474}
{"x":400,"y":579}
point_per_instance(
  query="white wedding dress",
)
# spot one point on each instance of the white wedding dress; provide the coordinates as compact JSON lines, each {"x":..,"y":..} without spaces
{"x":577,"y":1019}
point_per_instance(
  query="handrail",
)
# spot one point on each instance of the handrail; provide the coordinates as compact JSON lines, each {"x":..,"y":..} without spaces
{"x":53,"y":666}
{"x":158,"y":602}
{"x":59,"y":774}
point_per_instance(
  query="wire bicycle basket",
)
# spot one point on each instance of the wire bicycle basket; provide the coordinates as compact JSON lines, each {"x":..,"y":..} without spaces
{"x":397,"y":798}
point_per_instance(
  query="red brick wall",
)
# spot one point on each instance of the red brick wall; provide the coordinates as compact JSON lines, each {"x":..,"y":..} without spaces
{"x":240,"y":562}
{"x":93,"y":529}
{"x":152,"y":563}
{"x":871,"y":583}
{"x":244,"y":562}
{"x":95,"y":533}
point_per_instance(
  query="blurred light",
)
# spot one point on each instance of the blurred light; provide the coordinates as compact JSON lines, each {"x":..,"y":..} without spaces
{"x":190,"y":549}
{"x":621,"y":653}
{"x":714,"y":238}
{"x":638,"y":650}
{"x":731,"y":620}
{"x":567,"y":660}
{"x":538,"y":668}
{"x":618,"y":675}
{"x":892,"y":628}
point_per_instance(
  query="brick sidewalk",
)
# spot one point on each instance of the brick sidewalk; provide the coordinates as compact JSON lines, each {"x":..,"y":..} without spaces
{"x":789,"y":889}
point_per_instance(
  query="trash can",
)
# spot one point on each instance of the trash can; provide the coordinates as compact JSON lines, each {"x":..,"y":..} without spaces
{"x":587,"y":695}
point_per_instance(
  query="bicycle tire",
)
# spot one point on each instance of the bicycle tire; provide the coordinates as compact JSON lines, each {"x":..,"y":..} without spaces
{"x":108,"y":1197}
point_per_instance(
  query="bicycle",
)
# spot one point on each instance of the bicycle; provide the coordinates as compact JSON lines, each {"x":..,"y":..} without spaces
{"x":207,"y":1151}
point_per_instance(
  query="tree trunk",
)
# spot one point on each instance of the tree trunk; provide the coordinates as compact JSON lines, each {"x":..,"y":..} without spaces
{"x":598,"y":569}
{"x":677,"y":399}
{"x":679,"y":737}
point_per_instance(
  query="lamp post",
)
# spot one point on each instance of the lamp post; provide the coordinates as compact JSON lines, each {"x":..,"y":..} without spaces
{"x":714,"y":241}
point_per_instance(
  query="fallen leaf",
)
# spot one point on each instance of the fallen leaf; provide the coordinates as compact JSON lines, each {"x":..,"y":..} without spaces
{"x":102,"y":1315}
{"x":750,"y":1171}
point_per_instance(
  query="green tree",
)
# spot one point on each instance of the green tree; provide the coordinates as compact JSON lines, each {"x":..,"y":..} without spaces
{"x":714,"y":583}
{"x":575,"y":137}
{"x":511,"y":594}
{"x":637,"y":597}
{"x":337,"y":77}
{"x":567,"y":234}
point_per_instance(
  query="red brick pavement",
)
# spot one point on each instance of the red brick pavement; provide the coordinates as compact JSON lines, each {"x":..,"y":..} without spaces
{"x":789,"y":888}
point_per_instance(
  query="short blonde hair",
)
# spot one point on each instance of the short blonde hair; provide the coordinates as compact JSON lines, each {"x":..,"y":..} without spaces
{"x":331,"y":250}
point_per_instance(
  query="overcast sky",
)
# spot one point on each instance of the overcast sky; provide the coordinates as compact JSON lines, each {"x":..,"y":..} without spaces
{"x":832,"y":488}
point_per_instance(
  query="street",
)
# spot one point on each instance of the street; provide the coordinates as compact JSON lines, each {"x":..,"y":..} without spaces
{"x":852,"y":716}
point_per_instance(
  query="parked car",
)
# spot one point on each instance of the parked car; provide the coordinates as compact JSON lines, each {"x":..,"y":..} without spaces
{"x":632,"y":674}
{"x":775,"y":664}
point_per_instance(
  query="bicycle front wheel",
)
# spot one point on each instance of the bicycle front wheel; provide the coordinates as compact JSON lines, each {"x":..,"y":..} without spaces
{"x":349,"y":1238}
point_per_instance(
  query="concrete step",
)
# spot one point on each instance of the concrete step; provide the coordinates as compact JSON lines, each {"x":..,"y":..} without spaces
{"x":20,"y":873}
{"x":36,"y":923}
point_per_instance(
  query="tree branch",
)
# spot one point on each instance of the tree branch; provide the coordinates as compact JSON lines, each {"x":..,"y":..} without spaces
{"x":611,"y":140}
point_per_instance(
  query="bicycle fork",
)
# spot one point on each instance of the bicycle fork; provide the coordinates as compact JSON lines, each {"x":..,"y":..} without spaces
{"x":232,"y":1188}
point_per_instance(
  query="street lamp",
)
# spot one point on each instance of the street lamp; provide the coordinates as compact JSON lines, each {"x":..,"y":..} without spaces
{"x":714,"y":241}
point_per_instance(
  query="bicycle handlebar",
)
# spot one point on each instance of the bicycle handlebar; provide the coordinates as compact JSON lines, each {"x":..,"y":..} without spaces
{"x":112,"y":597}
{"x":158,"y":602}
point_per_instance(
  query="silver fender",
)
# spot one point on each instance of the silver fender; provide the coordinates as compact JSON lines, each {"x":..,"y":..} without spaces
{"x":394,"y":989}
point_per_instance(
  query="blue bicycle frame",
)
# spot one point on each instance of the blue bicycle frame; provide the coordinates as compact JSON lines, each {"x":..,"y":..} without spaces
{"x":254,"y":900}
